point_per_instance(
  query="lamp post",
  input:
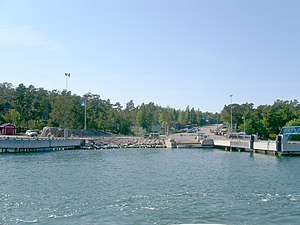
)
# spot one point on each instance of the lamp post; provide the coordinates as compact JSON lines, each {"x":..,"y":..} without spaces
{"x":67,"y":75}
{"x":244,"y":126}
{"x":85,"y":116}
{"x":230,"y":114}
{"x":66,"y":130}
{"x":84,"y":104}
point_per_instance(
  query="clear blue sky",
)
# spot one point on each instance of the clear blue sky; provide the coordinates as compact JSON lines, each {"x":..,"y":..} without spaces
{"x":170,"y":52}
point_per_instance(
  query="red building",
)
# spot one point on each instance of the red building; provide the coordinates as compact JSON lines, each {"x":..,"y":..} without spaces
{"x":8,"y":129}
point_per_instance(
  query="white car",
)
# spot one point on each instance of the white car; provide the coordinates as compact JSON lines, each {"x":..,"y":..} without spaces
{"x":31,"y":133}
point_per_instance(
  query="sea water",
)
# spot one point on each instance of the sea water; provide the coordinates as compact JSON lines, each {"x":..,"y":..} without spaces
{"x":149,"y":186}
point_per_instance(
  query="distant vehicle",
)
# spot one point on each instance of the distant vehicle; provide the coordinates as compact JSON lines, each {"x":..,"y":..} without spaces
{"x":153,"y":135}
{"x":31,"y":133}
{"x":232,"y":135}
{"x":243,"y":135}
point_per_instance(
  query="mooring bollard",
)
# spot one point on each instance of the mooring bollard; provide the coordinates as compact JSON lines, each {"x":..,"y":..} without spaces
{"x":278,"y":143}
{"x":252,"y":142}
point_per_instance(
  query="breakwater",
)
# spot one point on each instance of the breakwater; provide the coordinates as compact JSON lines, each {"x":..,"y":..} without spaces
{"x":124,"y":142}
{"x":14,"y":145}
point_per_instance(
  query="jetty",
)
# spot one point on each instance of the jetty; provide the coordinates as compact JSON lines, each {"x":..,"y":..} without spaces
{"x":252,"y":145}
{"x":287,"y":142}
{"x":282,"y":146}
{"x":14,"y":145}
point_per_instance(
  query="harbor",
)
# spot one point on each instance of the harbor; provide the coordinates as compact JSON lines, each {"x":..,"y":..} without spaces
{"x":150,"y":112}
{"x":286,"y":143}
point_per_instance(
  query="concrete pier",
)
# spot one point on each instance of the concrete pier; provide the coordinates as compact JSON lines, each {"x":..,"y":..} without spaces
{"x":35,"y":145}
{"x":279,"y":147}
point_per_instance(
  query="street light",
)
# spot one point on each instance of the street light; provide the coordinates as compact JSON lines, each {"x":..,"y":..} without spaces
{"x":230,"y":114}
{"x":84,"y":104}
{"x":67,"y":75}
{"x":244,"y":126}
{"x":65,"y":130}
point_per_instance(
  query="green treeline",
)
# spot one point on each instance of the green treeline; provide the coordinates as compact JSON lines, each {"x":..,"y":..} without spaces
{"x":34,"y":108}
{"x":263,"y":120}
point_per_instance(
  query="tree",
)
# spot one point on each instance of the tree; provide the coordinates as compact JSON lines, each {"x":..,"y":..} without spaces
{"x":30,"y":107}
{"x":14,"y":117}
{"x":142,"y":119}
{"x":183,"y":117}
{"x":130,"y":106}
{"x":293,"y":122}
{"x":57,"y":114}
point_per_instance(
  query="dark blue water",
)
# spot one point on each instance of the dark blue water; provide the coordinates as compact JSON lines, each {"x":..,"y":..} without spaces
{"x":149,"y":186}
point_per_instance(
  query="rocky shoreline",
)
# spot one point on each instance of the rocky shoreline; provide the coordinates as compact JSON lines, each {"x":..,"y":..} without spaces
{"x":124,"y":142}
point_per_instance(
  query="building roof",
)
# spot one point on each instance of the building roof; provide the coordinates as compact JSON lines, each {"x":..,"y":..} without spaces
{"x":6,"y":124}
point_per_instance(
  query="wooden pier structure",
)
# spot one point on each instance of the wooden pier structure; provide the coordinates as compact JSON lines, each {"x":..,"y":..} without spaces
{"x":14,"y":145}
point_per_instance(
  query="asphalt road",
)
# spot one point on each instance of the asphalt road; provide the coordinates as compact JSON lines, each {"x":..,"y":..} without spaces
{"x":192,"y":137}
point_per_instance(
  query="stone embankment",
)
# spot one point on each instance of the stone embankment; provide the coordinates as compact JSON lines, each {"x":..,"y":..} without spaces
{"x":124,"y":142}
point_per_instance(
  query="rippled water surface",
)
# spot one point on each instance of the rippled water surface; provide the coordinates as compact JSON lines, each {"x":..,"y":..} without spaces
{"x":149,"y":186}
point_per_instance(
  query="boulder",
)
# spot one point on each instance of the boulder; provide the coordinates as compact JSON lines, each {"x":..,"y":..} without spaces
{"x":52,"y":132}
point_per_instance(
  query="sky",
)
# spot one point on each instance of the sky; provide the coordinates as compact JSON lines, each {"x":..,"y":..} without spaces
{"x":174,"y":53}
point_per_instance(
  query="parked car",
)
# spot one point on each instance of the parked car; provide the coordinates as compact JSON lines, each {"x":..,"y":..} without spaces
{"x":31,"y":133}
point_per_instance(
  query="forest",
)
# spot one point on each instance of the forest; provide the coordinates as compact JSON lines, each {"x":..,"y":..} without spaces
{"x":35,"y":108}
{"x":264,"y":120}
